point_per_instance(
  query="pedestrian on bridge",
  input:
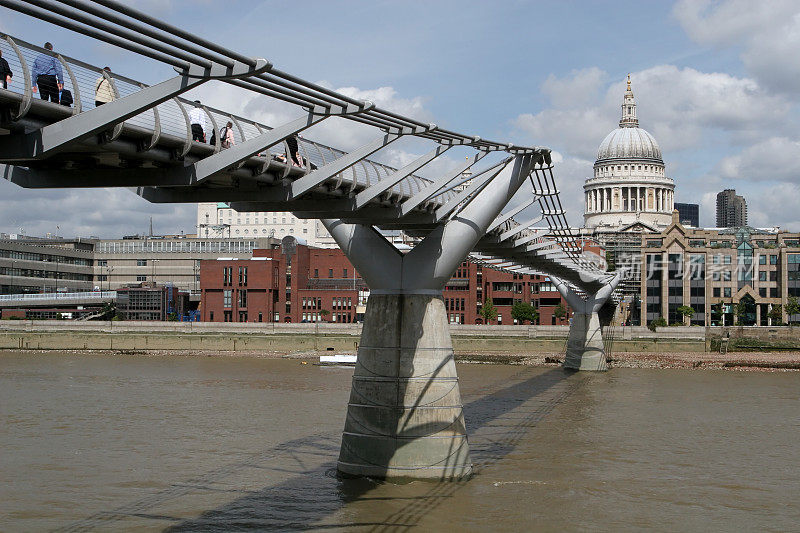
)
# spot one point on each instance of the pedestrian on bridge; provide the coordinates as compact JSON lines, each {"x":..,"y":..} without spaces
{"x":5,"y":71}
{"x":226,"y":136}
{"x":197,"y":118}
{"x":103,"y":90}
{"x":47,"y":75}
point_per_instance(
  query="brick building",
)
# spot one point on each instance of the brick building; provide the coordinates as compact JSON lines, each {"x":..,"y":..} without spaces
{"x":295,"y":283}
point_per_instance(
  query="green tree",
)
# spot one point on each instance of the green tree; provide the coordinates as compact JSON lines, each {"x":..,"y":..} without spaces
{"x":776,"y":314}
{"x":610,"y":265}
{"x":324,"y":313}
{"x":741,"y":311}
{"x":488,"y":311}
{"x":792,"y":308}
{"x":716,"y":313}
{"x":522,"y":311}
{"x":560,"y":311}
{"x":686,"y":310}
{"x":659,"y":322}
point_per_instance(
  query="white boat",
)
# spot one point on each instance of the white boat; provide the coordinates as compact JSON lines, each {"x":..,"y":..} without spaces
{"x":338,"y":359}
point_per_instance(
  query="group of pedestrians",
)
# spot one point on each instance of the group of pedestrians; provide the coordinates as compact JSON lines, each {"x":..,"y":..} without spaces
{"x":197,"y":119}
{"x":47,"y":79}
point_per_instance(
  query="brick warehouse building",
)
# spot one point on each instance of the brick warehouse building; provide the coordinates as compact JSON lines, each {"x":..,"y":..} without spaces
{"x":296,"y":283}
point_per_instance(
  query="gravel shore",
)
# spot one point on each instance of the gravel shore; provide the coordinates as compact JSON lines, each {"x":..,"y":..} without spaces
{"x":738,"y":361}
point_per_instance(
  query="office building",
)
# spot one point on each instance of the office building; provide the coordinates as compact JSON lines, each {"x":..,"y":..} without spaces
{"x":728,"y":276}
{"x":689,"y":214}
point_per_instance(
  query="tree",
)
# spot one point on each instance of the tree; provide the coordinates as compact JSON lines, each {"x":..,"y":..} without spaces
{"x":776,"y":314}
{"x":488,"y":311}
{"x":686,"y":310}
{"x":659,"y":322}
{"x":522,"y":311}
{"x":741,"y":311}
{"x":560,"y":311}
{"x":792,"y":308}
{"x":324,"y":313}
{"x":716,"y":313}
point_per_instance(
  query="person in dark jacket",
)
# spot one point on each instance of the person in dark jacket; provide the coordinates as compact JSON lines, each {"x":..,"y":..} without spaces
{"x":5,"y":71}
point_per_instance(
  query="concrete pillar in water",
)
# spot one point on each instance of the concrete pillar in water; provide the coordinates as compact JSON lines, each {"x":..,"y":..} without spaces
{"x":585,"y":349}
{"x":405,"y":416}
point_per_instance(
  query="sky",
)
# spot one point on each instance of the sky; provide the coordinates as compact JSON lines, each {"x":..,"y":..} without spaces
{"x":717,"y":83}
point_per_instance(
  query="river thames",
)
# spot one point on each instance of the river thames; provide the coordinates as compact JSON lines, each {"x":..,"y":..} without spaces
{"x":132,"y":442}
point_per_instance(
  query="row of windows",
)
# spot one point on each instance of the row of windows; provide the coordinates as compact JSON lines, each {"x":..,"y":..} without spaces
{"x":50,"y":274}
{"x":226,"y":246}
{"x":44,"y":258}
{"x":227,"y":276}
{"x":605,"y":170}
{"x":345,"y":273}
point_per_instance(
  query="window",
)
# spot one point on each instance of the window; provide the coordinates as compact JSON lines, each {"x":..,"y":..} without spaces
{"x":727,"y":292}
{"x":773,"y":259}
{"x":242,"y":316}
{"x":762,"y":275}
{"x":773,"y":292}
{"x":228,"y":316}
{"x":227,"y":276}
{"x":141,"y":262}
{"x":102,"y":262}
{"x":243,"y":276}
{"x":316,"y":272}
{"x":716,"y":292}
{"x":726,"y":259}
{"x":762,"y":259}
{"x":773,"y":275}
{"x":243,"y":298}
{"x":227,"y":298}
{"x":211,"y":316}
{"x":141,"y":278}
{"x":762,"y":292}
{"x":344,"y":272}
{"x":330,"y":272}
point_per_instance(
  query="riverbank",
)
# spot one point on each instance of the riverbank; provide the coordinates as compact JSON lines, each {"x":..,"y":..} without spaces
{"x":738,"y":361}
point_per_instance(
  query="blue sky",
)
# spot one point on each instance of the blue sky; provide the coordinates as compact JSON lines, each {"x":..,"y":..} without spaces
{"x":717,"y":83}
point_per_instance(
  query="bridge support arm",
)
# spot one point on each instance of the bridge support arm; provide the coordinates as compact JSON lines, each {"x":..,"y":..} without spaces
{"x":405,"y":416}
{"x":585,"y":348}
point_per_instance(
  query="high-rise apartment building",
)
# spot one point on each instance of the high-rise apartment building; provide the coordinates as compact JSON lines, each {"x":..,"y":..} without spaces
{"x":731,"y":209}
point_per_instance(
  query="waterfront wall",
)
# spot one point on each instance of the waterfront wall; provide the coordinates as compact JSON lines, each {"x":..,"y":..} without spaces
{"x":294,"y":338}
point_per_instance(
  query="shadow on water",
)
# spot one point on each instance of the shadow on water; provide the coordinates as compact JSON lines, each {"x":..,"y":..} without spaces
{"x":496,"y":426}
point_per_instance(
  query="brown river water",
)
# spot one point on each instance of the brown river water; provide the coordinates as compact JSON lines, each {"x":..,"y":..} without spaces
{"x":120,"y":443}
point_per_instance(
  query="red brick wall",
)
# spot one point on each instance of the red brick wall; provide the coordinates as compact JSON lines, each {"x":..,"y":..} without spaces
{"x":313,"y":270}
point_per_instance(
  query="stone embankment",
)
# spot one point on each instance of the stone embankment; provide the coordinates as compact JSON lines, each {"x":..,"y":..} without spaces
{"x":673,"y":347}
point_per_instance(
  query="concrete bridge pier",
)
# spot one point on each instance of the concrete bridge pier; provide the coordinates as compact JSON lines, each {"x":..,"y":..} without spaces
{"x":585,"y":349}
{"x":405,"y":416}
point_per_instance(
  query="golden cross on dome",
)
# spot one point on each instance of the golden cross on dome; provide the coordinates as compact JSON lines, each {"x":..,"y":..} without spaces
{"x":629,"y":82}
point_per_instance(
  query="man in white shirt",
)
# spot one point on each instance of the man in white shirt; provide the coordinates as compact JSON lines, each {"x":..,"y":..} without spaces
{"x":197,"y":118}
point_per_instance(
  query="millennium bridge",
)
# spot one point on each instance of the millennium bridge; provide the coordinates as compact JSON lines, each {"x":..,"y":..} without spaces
{"x":404,"y":417}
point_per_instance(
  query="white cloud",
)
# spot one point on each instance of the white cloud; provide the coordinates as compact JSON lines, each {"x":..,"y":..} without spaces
{"x":677,"y":105}
{"x":768,"y":34}
{"x":774,"y":159}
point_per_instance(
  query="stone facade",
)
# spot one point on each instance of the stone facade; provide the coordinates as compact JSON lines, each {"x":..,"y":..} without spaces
{"x":629,"y":184}
{"x":728,"y":276}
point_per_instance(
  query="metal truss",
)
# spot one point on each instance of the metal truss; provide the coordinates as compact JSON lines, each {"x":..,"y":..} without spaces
{"x":143,"y":140}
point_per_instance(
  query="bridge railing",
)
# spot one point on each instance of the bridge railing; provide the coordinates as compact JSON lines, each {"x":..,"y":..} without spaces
{"x":170,"y":119}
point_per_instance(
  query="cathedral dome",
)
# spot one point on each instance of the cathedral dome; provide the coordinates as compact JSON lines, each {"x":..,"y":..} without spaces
{"x":629,"y":143}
